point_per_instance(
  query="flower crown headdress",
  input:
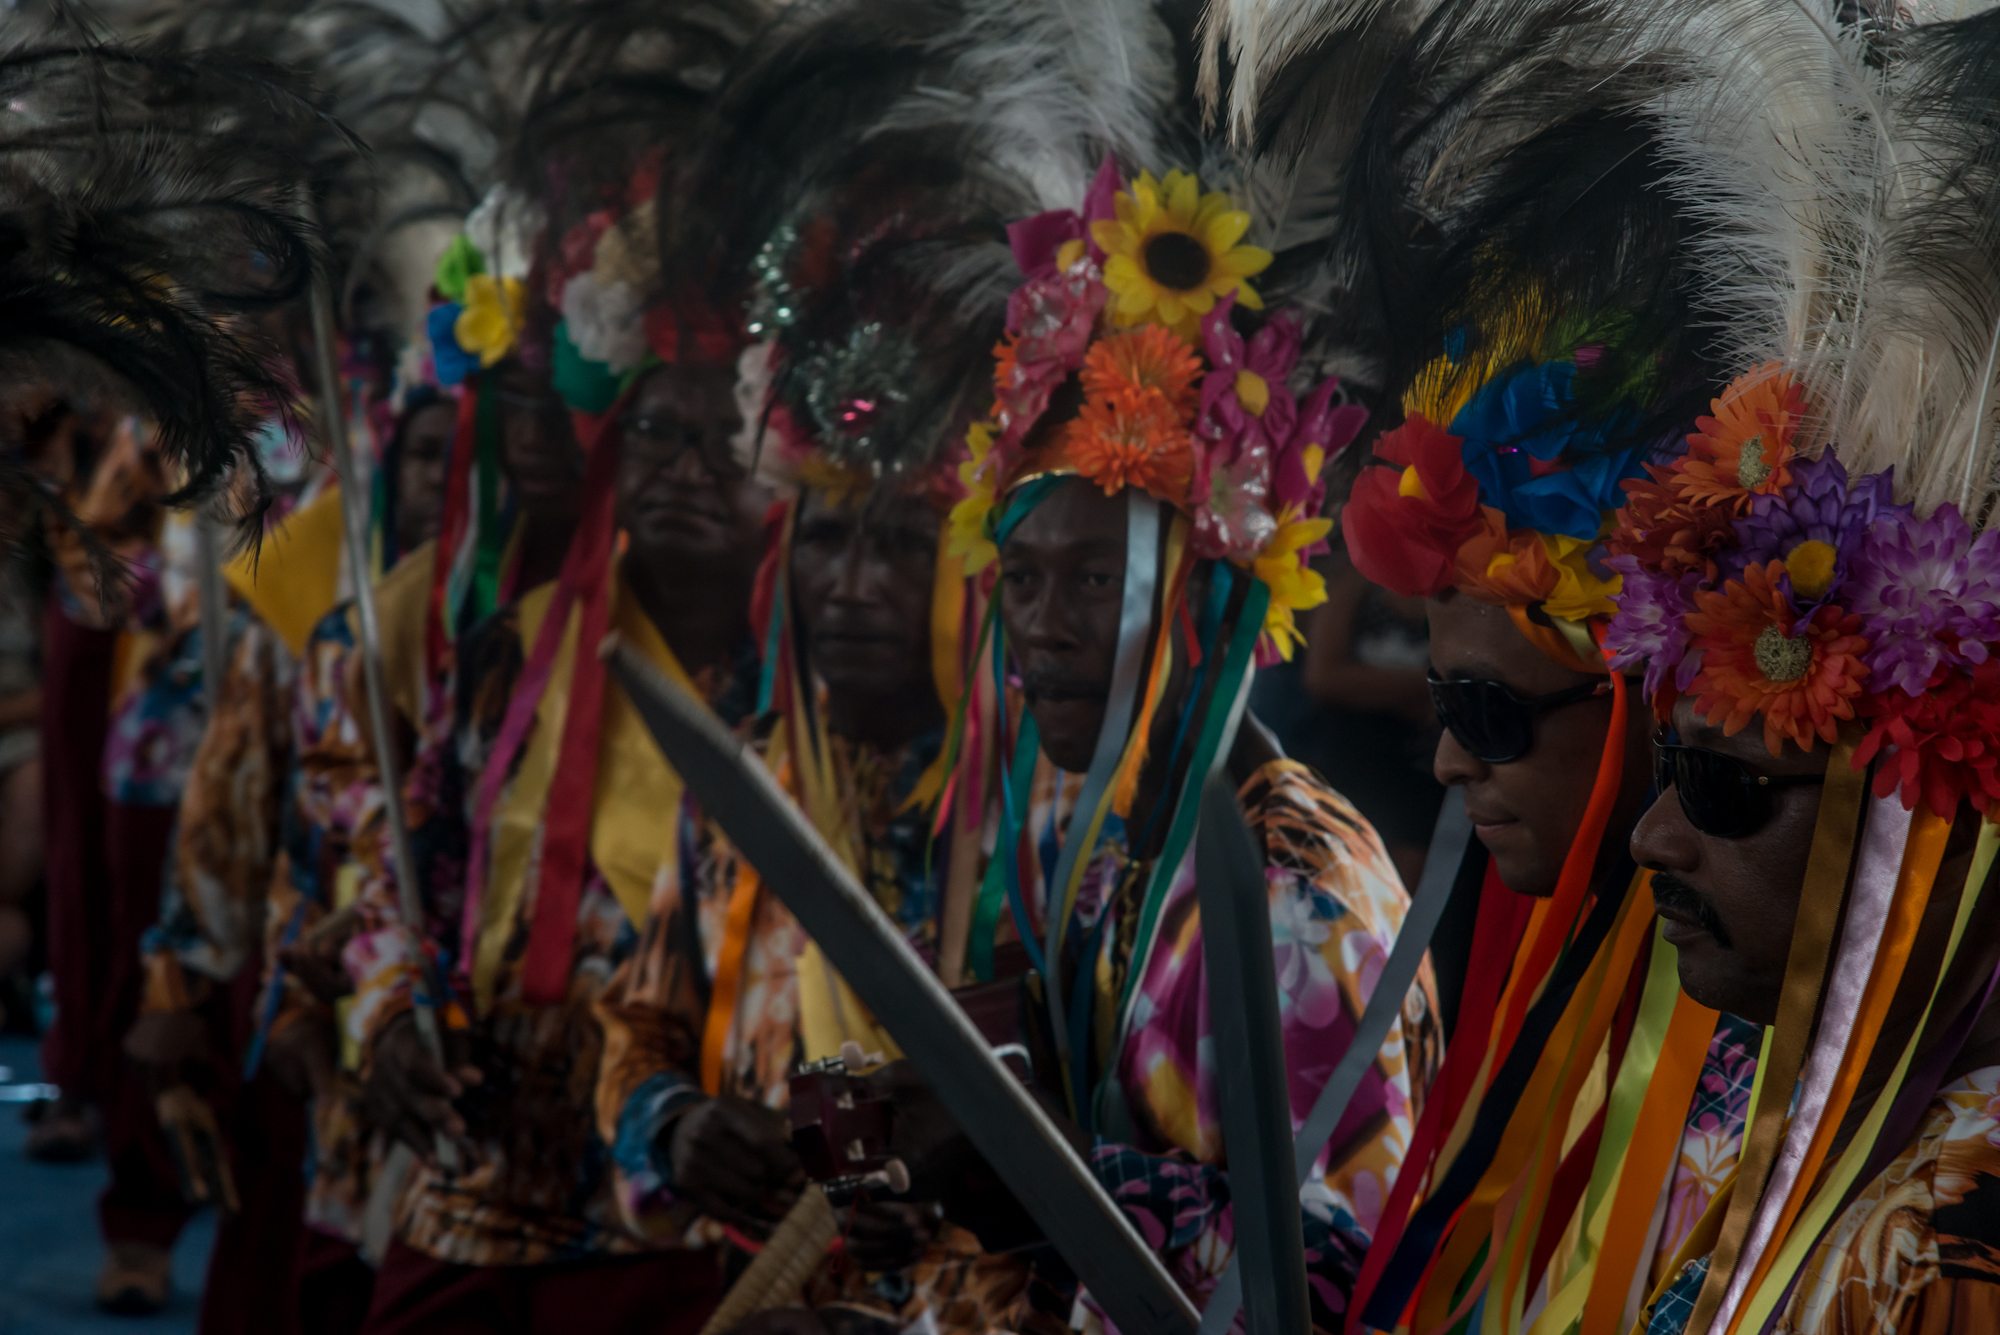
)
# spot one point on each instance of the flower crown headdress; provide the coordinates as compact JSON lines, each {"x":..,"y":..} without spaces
{"x":1516,"y":447}
{"x":1131,"y":303}
{"x":1766,"y":583}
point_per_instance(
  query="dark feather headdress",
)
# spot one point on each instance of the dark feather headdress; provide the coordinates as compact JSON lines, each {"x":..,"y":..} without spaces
{"x":143,"y":230}
{"x":862,"y":164}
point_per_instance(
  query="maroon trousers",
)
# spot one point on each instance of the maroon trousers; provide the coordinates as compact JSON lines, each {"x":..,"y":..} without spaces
{"x":334,"y":1285}
{"x":253,"y":1285}
{"x":76,"y":693}
{"x":103,"y":878}
{"x":105,"y":863}
{"x":663,"y":1293}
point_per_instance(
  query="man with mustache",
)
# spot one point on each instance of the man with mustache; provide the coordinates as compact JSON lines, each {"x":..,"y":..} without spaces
{"x":1754,"y":850}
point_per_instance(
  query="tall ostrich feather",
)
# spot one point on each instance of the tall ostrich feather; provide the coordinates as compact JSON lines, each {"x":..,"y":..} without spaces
{"x":1845,"y":171}
{"x":433,"y":107}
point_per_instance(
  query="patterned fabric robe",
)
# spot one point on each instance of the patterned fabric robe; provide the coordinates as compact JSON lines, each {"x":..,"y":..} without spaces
{"x":1336,"y":905}
{"x":1917,"y":1252}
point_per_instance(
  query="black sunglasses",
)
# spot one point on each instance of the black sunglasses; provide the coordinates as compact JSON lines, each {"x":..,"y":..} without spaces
{"x":1493,"y":723}
{"x":1719,"y":794}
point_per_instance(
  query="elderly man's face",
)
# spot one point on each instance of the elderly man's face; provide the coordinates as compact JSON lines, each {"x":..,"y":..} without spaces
{"x":1729,"y":904}
{"x":686,"y":501}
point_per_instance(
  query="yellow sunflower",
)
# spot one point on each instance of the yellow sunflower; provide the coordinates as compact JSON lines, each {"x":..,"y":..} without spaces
{"x":1172,"y":252}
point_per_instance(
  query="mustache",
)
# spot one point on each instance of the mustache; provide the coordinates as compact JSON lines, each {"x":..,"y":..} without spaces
{"x":1674,"y":893}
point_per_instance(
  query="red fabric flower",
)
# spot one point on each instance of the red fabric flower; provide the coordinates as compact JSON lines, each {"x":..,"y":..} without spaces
{"x":1404,"y":526}
{"x":1942,"y":745}
{"x":691,"y":332}
{"x":1668,"y":532}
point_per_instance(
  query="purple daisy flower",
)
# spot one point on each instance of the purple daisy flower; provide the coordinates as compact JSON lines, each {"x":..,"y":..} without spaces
{"x":1813,"y":526}
{"x":1649,"y":626}
{"x":1928,"y":593}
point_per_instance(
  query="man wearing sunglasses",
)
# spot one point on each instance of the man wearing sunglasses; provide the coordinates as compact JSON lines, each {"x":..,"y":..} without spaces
{"x":1491,"y":510}
{"x":1825,"y":870}
{"x":1727,"y":842}
{"x":1523,"y":738}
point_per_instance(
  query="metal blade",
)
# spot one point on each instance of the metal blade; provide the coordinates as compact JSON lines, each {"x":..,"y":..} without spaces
{"x":996,"y":1111}
{"x":1385,"y":1005}
{"x":1250,"y":1066}
{"x":332,"y":424}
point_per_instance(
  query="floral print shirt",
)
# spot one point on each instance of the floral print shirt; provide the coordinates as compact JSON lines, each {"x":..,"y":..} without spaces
{"x":1917,"y":1253}
{"x":1337,"y":904}
{"x":333,"y":815}
{"x":212,"y":895}
{"x":1714,"y":1135}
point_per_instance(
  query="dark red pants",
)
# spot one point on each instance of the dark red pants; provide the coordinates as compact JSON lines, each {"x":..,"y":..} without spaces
{"x":334,"y":1285}
{"x":665,"y":1293}
{"x":254,"y":1271}
{"x":76,"y":692}
{"x":104,"y":865}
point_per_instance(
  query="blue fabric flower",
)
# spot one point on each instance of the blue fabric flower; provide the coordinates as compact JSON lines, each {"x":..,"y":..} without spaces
{"x":453,"y":363}
{"x":1527,"y":417}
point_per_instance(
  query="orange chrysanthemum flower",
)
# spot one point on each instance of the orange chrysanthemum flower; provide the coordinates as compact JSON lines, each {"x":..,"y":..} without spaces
{"x":1151,"y":357}
{"x":1802,"y":675}
{"x":1133,"y":439}
{"x":1747,"y":448}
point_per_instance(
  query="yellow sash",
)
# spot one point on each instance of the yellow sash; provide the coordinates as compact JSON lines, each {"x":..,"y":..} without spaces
{"x":635,"y":803}
{"x":293,"y":578}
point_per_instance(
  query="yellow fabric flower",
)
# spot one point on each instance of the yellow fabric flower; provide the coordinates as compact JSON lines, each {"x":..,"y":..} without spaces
{"x":1579,"y":594}
{"x":967,"y":538}
{"x":495,"y":309}
{"x":1295,"y":586}
{"x":1172,"y":252}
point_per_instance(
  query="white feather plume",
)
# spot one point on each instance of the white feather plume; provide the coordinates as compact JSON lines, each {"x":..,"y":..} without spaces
{"x":1832,"y":178}
{"x":1047,"y":88}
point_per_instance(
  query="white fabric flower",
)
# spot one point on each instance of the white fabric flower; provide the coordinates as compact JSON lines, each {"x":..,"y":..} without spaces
{"x":505,"y":227}
{"x":606,"y":322}
{"x":753,"y":391}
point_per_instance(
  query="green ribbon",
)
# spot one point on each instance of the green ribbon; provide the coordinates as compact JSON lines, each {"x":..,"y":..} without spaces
{"x":492,"y":542}
{"x":1221,"y":709}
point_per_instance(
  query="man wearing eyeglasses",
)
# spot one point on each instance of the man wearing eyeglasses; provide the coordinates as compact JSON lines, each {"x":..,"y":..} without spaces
{"x":542,"y":1214}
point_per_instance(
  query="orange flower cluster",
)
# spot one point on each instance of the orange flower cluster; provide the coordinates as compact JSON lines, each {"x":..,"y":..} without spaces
{"x":1668,"y":533}
{"x":1140,"y":399}
{"x":1686,"y":513}
{"x":1747,"y":448}
{"x":1802,"y":674}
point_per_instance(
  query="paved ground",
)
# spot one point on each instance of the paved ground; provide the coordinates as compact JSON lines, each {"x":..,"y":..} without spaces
{"x":49,"y":1252}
